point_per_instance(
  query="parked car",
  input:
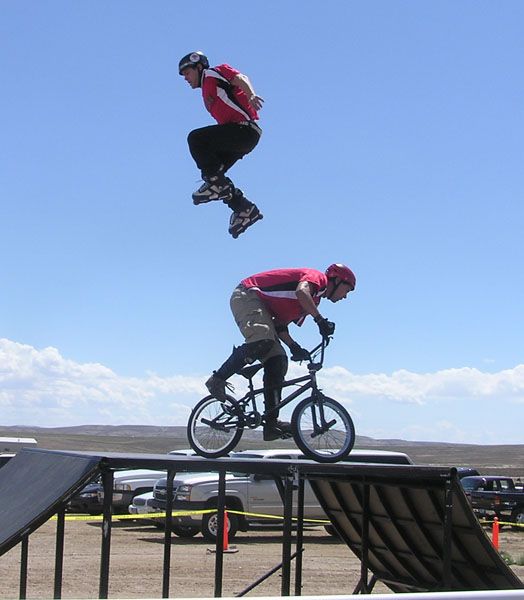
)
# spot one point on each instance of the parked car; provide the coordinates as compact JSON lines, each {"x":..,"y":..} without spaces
{"x":495,"y":496}
{"x":142,"y":505}
{"x":466,"y":472}
{"x":86,"y":500}
{"x":127,"y":484}
{"x":248,"y":493}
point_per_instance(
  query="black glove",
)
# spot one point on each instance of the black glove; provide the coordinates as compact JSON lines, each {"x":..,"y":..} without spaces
{"x":326,"y":328}
{"x":298,"y":353}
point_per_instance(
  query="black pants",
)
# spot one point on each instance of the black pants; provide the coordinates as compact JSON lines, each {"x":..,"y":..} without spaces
{"x":220,"y":146}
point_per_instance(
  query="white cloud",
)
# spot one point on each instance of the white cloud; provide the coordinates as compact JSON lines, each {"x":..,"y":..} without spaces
{"x":423,"y":388}
{"x":44,"y":385}
{"x":41,"y":387}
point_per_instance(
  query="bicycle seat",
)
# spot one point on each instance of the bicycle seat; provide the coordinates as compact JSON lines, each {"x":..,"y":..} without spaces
{"x":250,"y":371}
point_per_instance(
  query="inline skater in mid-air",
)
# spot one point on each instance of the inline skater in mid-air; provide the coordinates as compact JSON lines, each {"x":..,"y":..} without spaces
{"x":263,"y":305}
{"x":230,"y":98}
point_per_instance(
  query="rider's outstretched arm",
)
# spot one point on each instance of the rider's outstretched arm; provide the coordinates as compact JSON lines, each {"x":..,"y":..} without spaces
{"x":305,"y":297}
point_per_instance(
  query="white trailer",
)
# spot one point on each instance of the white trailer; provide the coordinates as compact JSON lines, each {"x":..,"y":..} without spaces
{"x":14,"y":444}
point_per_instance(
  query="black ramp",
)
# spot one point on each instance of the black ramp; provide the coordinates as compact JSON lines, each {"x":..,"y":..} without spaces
{"x":33,"y":485}
{"x":411,"y":526}
{"x":403,"y":510}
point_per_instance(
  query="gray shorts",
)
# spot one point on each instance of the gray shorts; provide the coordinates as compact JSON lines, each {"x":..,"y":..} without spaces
{"x":254,"y":320}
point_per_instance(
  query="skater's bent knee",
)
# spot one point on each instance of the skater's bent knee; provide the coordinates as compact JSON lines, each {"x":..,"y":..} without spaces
{"x":196,"y":137}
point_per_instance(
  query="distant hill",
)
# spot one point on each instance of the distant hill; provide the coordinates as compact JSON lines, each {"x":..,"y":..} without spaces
{"x":174,"y":432}
{"x":109,"y":430}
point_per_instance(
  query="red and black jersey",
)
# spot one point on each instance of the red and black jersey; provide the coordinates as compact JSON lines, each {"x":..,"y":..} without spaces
{"x":225,"y":102}
{"x":278,"y":290}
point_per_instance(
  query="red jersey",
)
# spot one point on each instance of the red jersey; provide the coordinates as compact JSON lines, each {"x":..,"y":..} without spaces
{"x":278,"y":290}
{"x":227,"y":104}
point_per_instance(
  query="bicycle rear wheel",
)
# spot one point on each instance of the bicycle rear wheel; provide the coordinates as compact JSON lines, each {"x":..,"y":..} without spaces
{"x":323,"y":429}
{"x":214,"y":427}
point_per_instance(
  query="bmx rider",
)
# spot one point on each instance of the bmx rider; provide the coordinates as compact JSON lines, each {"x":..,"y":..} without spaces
{"x":263,"y":306}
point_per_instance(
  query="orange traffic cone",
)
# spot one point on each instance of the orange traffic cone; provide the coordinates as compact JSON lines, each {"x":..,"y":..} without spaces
{"x":226,"y":548}
{"x":495,"y":535}
{"x":225,"y":539}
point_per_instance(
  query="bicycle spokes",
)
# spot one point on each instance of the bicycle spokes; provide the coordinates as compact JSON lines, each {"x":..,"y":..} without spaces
{"x":214,"y":427}
{"x":323,"y":429}
{"x":318,"y":420}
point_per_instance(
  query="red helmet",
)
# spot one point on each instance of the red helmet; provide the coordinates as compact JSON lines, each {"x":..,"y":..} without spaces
{"x":345,"y":274}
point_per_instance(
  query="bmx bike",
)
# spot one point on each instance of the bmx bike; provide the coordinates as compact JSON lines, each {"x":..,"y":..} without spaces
{"x":321,"y":427}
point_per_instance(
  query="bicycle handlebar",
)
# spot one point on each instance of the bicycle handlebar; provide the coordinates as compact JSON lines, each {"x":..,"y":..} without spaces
{"x":312,"y":353}
{"x":322,"y":347}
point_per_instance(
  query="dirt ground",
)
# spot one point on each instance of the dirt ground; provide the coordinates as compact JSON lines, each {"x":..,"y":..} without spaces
{"x":329,"y":567}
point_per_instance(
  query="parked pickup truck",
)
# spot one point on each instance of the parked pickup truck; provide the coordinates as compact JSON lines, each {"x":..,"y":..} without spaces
{"x":251,"y":493}
{"x":495,"y":496}
{"x":127,"y":484}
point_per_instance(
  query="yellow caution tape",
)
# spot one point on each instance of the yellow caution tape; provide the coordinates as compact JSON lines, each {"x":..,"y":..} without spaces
{"x":238,"y":512}
{"x":184,"y":513}
{"x":133,"y":517}
{"x":512,"y":523}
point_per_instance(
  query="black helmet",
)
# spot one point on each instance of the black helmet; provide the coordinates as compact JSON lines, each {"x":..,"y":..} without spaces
{"x":192,"y":60}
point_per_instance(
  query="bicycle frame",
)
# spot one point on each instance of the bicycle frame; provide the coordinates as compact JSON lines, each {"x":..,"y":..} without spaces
{"x":311,"y":378}
{"x":321,"y":427}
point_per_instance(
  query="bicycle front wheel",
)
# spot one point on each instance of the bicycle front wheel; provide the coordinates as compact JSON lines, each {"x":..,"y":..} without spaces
{"x":214,"y":427}
{"x":323,"y":429}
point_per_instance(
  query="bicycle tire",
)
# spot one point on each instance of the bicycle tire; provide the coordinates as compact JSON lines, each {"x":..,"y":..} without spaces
{"x":332,"y":445}
{"x":214,"y":428}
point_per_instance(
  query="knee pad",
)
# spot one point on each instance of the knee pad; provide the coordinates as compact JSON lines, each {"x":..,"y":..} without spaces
{"x":256,"y":350}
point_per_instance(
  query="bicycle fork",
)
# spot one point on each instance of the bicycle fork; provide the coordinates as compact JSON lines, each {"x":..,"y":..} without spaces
{"x":320,"y":425}
{"x":319,"y":428}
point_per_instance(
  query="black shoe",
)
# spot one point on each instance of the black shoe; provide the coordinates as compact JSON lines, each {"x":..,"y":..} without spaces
{"x":284,"y":426}
{"x":242,"y":219}
{"x":277,"y":430}
{"x":217,"y":387}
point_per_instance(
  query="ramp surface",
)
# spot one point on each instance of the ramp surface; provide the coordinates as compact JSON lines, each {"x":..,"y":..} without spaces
{"x":404,"y":523}
{"x":33,"y":485}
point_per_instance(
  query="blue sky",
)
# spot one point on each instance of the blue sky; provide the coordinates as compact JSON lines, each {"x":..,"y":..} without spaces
{"x":392,"y":142}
